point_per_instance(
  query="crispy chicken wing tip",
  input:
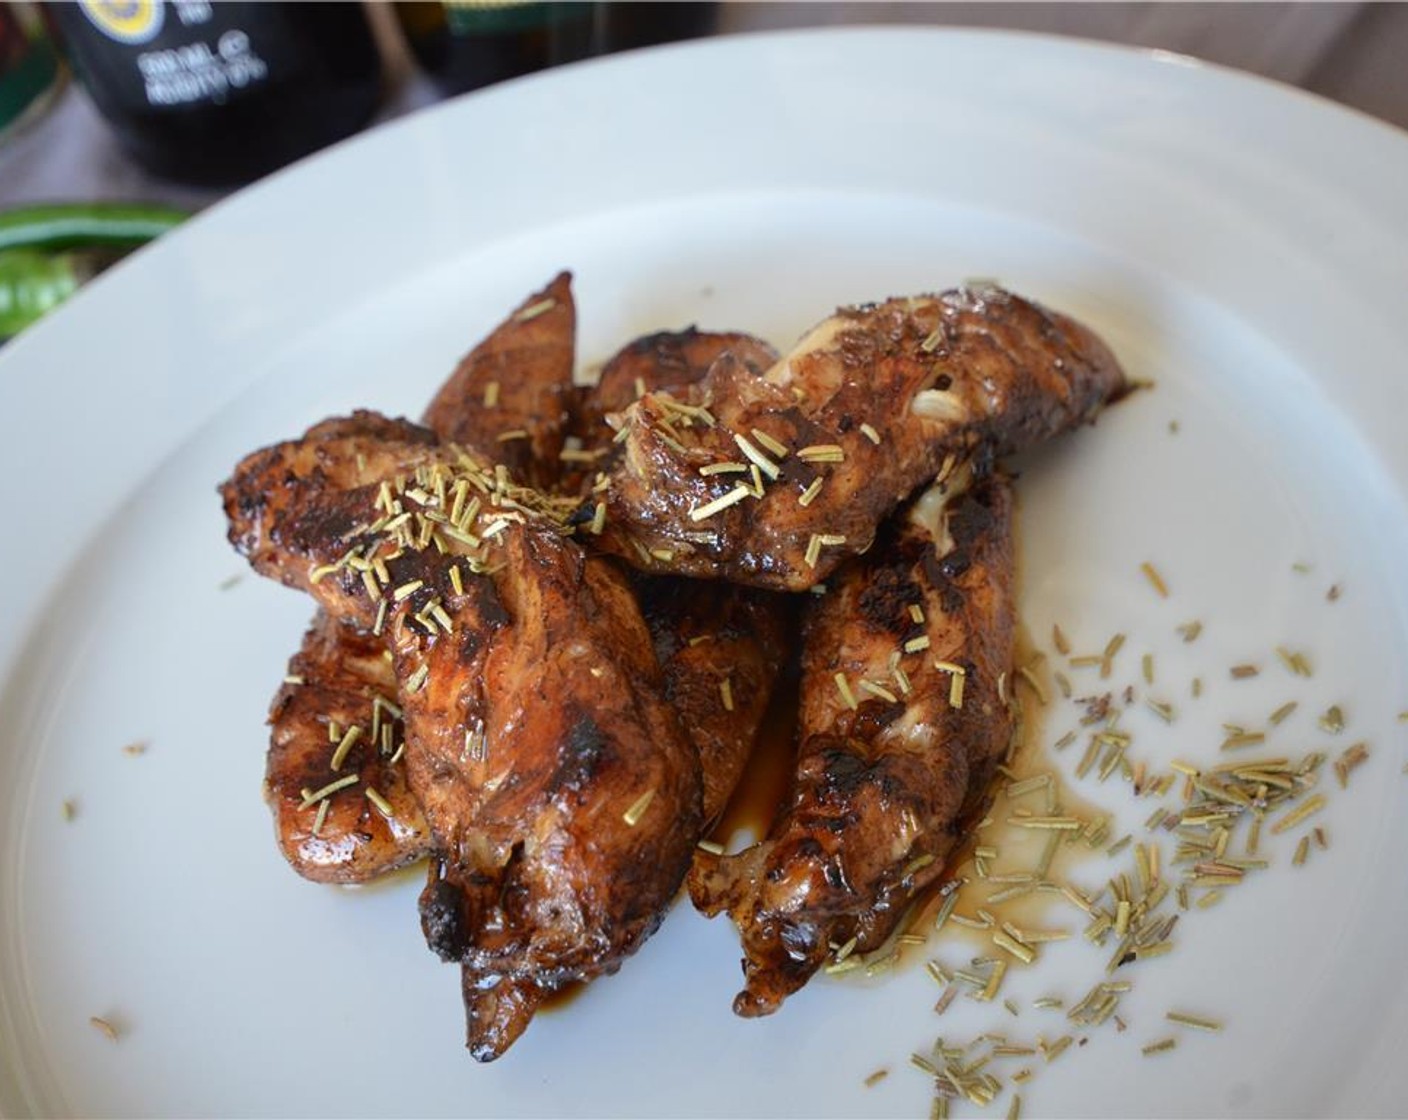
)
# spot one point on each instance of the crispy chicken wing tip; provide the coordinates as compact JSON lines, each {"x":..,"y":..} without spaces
{"x":495,"y":1016}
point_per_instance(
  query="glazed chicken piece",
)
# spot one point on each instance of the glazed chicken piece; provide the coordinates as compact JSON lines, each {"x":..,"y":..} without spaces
{"x":719,"y":646}
{"x":337,"y":711}
{"x":905,"y":714}
{"x":510,"y":397}
{"x":670,"y":362}
{"x":873,"y":403}
{"x":564,"y":799}
{"x":518,"y":380}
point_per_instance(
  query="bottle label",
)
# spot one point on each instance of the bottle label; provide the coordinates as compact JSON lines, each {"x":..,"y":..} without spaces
{"x":199,"y":60}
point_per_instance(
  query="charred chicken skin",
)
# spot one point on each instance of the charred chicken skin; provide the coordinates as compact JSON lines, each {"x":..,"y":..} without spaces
{"x":905,"y":714}
{"x":557,"y":732}
{"x":563,"y":797}
{"x":510,"y":397}
{"x":719,"y":646}
{"x":783,"y":476}
{"x":517,"y":382}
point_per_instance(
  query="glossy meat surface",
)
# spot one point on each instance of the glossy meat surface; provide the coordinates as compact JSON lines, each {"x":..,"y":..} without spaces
{"x":518,"y":380}
{"x":563,"y":797}
{"x":873,"y":403}
{"x":892,"y":750}
{"x":509,"y":399}
{"x":340,"y":685}
{"x":719,"y":646}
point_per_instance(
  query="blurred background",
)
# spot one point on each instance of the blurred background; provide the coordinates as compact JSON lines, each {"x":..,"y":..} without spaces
{"x":129,"y":114}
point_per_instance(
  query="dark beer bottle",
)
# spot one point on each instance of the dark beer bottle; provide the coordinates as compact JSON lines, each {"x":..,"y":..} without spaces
{"x":466,"y":44}
{"x":222,"y":93}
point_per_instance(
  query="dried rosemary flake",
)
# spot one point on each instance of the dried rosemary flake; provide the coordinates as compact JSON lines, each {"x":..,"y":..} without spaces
{"x":1059,"y":640}
{"x":1160,"y":1046}
{"x":406,"y":590}
{"x":637,"y":808}
{"x":756,"y":457}
{"x":711,"y":847}
{"x":321,"y":817}
{"x":344,"y":746}
{"x":1196,"y":1022}
{"x":1296,"y":662}
{"x":135,"y":750}
{"x":1190,"y":630}
{"x":1280,"y":714}
{"x":968,"y":923}
{"x":810,"y":493}
{"x":870,"y":433}
{"x":310,"y":797}
{"x":1054,"y":1050}
{"x":733,"y":497}
{"x":711,"y":469}
{"x":844,"y":688}
{"x":1302,"y":851}
{"x":917,"y":645}
{"x":875,"y":1078}
{"x":1162,"y":709}
{"x":1061,"y":823}
{"x":822,"y":453}
{"x":1241,"y":739}
{"x":1333,"y":720}
{"x":776,"y":446}
{"x":382,"y":805}
{"x":532,"y":311}
{"x":1022,"y":951}
{"x":1243,"y":672}
{"x":726,"y":693}
{"x":879,"y":690}
{"x":1306,"y":809}
{"x":995,"y":977}
{"x":104,"y":1026}
{"x":1155,"y":579}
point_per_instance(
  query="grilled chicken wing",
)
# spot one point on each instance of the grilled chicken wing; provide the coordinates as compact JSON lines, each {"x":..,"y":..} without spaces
{"x":665,"y":362}
{"x":564,"y":799}
{"x":337,"y":705}
{"x":518,"y":380}
{"x":568,"y":810}
{"x":719,"y":646}
{"x":509,"y":398}
{"x":870,"y":405}
{"x":905,"y":715}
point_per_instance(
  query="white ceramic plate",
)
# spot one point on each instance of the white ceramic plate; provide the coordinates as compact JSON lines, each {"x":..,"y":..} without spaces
{"x":1242,"y":245}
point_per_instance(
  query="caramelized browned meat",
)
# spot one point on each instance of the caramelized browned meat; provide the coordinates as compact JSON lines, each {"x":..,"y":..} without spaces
{"x":338,"y":705}
{"x":519,"y":379}
{"x":719,"y":646}
{"x":509,"y":397}
{"x":665,"y":362}
{"x":891,"y":747}
{"x":563,"y":797}
{"x":720,"y":649}
{"x":871,"y":404}
{"x":567,"y":806}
